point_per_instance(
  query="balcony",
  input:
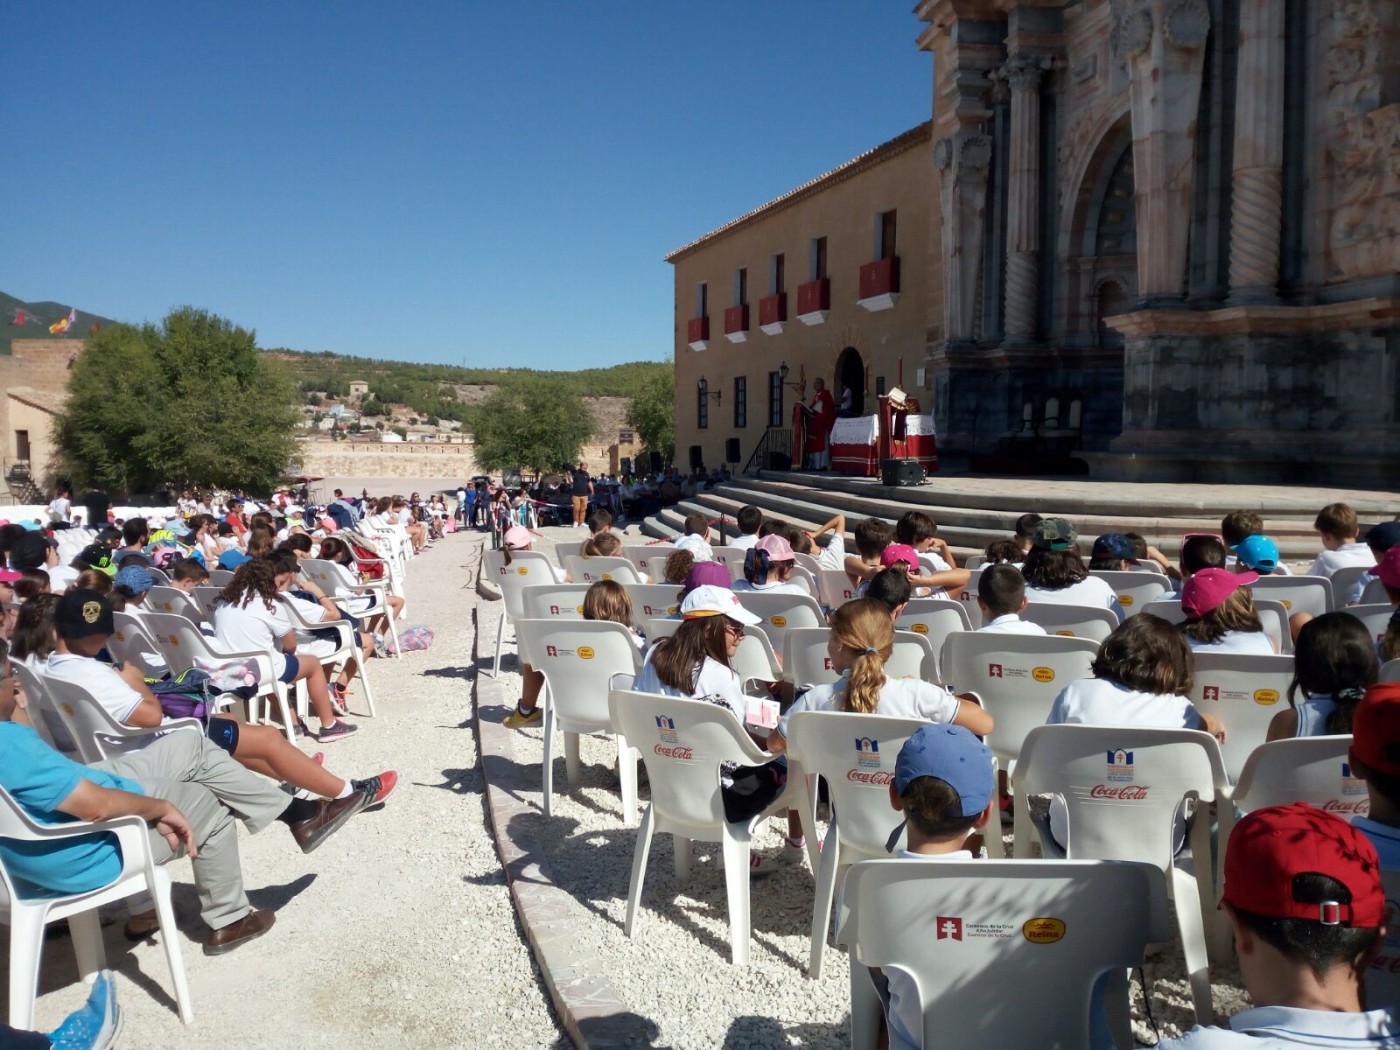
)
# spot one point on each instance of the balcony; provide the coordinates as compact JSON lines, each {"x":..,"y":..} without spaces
{"x":879,"y":284}
{"x":772,"y":313}
{"x":736,"y":323}
{"x":697,"y":333}
{"x":814,"y":301}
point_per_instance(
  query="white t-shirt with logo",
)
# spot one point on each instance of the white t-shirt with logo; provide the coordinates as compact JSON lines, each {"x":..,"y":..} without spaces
{"x":899,"y":698}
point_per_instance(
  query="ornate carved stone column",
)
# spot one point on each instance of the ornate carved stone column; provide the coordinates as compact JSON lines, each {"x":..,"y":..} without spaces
{"x":962,"y":165}
{"x":1165,"y":41}
{"x":1023,"y":74}
{"x":1257,"y":178}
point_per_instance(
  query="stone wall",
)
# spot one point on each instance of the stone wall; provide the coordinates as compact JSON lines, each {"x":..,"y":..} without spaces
{"x":371,"y":459}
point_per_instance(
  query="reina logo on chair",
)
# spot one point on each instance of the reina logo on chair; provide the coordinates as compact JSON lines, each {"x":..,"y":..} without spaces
{"x":1120,"y":767}
{"x":867,"y":753}
{"x":666,"y":729}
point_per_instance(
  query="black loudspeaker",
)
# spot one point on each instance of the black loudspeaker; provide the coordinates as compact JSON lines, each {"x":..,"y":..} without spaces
{"x":626,"y":464}
{"x":657,"y":463}
{"x":901,"y":472}
{"x":731,"y":450}
{"x":697,"y":458}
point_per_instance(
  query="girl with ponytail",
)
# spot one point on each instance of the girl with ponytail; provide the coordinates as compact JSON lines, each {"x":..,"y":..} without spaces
{"x":767,"y":567}
{"x":1334,"y":662}
{"x":862,"y":638}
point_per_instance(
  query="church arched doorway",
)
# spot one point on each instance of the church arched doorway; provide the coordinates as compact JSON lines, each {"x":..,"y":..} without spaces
{"x":850,"y":375}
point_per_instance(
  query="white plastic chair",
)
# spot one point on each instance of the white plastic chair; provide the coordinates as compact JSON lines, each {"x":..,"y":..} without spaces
{"x":28,"y":916}
{"x":967,"y":598}
{"x":805,"y":578}
{"x":547,"y":601}
{"x":1016,"y":677}
{"x":834,"y":588}
{"x":220,"y":577}
{"x":755,"y":659}
{"x":526,"y":569}
{"x":652,"y":601}
{"x":337,"y":581}
{"x":206,"y":597}
{"x":1134,"y":589}
{"x":1073,"y":621}
{"x":1374,"y":593}
{"x":172,"y":600}
{"x":1375,"y":617}
{"x":578,"y":659}
{"x":1062,"y":933}
{"x":43,"y":715}
{"x":131,"y":643}
{"x":856,"y":754}
{"x":650,"y":560}
{"x":1390,"y":671}
{"x":1273,"y":617}
{"x":682,"y":742}
{"x":732,"y":559}
{"x":934,"y":619}
{"x":659,"y":627}
{"x":591,"y":570}
{"x":781,"y":613}
{"x":1310,"y":594}
{"x":805,"y":660}
{"x":184,"y":646}
{"x":96,"y":733}
{"x":1244,"y":692}
{"x":567,"y":549}
{"x":1122,"y":786}
{"x":347,"y":648}
{"x":1343,"y":582}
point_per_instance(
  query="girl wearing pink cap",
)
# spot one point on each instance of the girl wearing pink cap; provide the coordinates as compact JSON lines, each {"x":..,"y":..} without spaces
{"x":768,"y":567}
{"x":1220,"y":615}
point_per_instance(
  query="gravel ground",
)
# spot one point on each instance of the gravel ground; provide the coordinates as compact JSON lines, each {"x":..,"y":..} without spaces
{"x":399,"y":930}
{"x":675,"y":972}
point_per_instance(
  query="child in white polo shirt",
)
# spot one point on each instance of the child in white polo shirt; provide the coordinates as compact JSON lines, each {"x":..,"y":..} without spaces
{"x":1001,"y":594}
{"x":1336,"y":525}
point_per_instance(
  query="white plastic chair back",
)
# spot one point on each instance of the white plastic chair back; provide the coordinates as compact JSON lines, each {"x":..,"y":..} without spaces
{"x":1244,"y":692}
{"x":174,"y":601}
{"x":732,"y":559}
{"x":591,"y":570}
{"x":1311,"y":769}
{"x":1375,"y":617}
{"x":1374,"y":593}
{"x":1390,"y":671}
{"x":808,"y":562}
{"x":1063,"y":932}
{"x":652,"y":601}
{"x":566,"y":549}
{"x":1273,"y":617}
{"x":967,"y":598}
{"x":42,"y":714}
{"x":1134,"y":589}
{"x":934,"y":619}
{"x":804,"y":577}
{"x":1017,"y":677}
{"x":1168,"y":609}
{"x":1122,"y":787}
{"x":683,"y":743}
{"x":805,"y":660}
{"x":1383,"y":976}
{"x":548,"y":601}
{"x":855,"y":753}
{"x":578,"y":659}
{"x":526,"y":569}
{"x":913,"y":656}
{"x":659,"y":627}
{"x":1073,"y":621}
{"x":206,"y":597}
{"x":98,"y":735}
{"x":755,"y":658}
{"x":1344,"y":582}
{"x":835,"y":588}
{"x":974,"y":561}
{"x":781,"y":613}
{"x":28,"y":916}
{"x":1310,"y":594}
{"x":649,"y":560}
{"x":131,"y":643}
{"x":347,"y":648}
{"x":220,"y":577}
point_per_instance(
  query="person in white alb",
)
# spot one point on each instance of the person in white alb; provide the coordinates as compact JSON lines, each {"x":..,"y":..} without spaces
{"x":1337,"y":527}
{"x":1001,"y":595}
{"x":1304,"y":898}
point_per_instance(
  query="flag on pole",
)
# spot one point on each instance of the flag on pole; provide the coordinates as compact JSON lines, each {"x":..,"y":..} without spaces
{"x":62,"y":326}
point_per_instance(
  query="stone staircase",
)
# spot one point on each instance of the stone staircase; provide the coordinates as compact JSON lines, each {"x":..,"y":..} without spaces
{"x":971,"y":512}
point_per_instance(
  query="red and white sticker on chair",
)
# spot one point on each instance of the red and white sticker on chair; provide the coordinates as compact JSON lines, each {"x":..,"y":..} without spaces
{"x":670,"y":740}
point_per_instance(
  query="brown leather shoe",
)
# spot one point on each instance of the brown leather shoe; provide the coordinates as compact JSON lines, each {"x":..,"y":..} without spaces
{"x":330,"y":815}
{"x":249,"y":928}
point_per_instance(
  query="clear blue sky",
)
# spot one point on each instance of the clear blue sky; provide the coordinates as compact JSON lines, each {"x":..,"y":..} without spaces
{"x":488,"y":181}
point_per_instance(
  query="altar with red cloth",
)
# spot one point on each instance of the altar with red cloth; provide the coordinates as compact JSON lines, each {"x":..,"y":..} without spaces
{"x":898,"y":431}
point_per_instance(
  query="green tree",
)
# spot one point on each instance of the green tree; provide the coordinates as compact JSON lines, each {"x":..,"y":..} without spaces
{"x":537,"y":425}
{"x":652,"y":414}
{"x":190,"y":402}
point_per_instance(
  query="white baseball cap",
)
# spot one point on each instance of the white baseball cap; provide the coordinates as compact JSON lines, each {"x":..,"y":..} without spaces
{"x":716,"y":601}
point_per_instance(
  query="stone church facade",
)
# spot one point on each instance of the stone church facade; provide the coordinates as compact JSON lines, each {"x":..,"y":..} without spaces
{"x":1171,"y":230}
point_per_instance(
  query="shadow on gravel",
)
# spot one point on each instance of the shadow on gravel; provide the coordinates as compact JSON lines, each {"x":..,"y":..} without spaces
{"x":466,"y":674}
{"x":755,"y":1033}
{"x":509,"y":662}
{"x":625,"y":1029}
{"x":458,"y":781}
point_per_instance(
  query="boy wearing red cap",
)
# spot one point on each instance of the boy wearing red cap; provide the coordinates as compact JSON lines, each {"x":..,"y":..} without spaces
{"x":1375,"y":758}
{"x":1304,"y":899}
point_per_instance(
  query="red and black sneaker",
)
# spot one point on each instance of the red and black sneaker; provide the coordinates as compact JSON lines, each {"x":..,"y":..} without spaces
{"x":376,"y":789}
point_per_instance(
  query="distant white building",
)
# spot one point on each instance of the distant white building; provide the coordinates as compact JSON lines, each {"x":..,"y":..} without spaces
{"x":389,"y":437}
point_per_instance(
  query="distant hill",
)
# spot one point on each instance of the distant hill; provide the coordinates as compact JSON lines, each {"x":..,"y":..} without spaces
{"x":38,"y":317}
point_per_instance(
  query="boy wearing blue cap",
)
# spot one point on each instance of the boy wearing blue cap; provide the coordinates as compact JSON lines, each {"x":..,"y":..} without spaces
{"x":943,"y":784}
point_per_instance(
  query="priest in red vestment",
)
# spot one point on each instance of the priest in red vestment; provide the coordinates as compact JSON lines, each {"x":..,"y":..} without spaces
{"x":821,"y":416}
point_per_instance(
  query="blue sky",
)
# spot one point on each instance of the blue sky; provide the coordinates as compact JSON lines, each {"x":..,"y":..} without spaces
{"x":489,"y":183}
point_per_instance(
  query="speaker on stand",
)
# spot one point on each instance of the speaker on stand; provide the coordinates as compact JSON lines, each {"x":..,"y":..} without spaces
{"x":697,"y":458}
